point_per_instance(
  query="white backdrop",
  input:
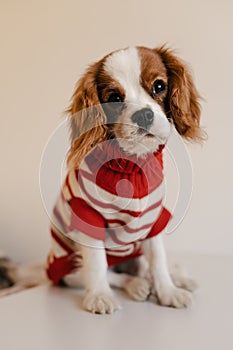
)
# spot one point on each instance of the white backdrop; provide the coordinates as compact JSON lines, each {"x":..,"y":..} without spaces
{"x":45,"y":46}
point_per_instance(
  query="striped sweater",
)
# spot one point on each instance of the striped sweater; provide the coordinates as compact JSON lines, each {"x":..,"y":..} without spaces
{"x":112,"y":197}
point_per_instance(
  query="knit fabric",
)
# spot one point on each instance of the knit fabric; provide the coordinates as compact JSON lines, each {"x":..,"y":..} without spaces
{"x":112,"y":197}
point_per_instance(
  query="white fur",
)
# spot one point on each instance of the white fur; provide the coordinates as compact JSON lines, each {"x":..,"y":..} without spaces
{"x":162,"y":285}
{"x":99,"y":298}
{"x":124,"y":66}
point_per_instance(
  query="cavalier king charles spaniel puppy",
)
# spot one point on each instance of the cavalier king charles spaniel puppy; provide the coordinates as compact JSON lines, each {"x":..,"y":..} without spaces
{"x":110,"y":214}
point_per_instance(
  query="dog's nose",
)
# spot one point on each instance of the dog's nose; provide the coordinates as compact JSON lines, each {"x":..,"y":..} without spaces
{"x":143,"y":118}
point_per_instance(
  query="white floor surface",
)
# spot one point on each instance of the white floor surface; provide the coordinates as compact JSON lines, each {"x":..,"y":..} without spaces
{"x":51,"y":318}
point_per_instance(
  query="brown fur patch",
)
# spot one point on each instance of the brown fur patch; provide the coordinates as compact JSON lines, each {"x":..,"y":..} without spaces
{"x":106,"y":86}
{"x":182,"y":100}
{"x":87,"y":118}
{"x":152,"y":69}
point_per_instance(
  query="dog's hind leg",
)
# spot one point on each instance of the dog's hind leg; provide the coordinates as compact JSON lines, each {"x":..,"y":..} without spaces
{"x":138,"y":288}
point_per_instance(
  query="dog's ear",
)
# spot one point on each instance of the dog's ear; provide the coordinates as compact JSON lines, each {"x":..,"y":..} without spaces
{"x":182,"y":100}
{"x":87,"y":118}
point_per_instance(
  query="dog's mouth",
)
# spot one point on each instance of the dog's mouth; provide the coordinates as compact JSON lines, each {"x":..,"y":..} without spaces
{"x":144,"y":133}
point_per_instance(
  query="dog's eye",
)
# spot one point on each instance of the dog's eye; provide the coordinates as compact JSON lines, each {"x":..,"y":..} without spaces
{"x":115,"y":97}
{"x":158,"y":87}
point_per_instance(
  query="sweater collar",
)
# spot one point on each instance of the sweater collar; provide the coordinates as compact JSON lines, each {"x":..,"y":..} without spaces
{"x":110,"y":155}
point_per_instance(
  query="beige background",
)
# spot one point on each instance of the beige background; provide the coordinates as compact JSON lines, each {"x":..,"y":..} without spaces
{"x":45,"y":46}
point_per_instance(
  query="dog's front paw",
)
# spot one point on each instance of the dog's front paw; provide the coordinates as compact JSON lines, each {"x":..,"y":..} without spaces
{"x":100,"y":303}
{"x":138,"y":288}
{"x":174,"y":297}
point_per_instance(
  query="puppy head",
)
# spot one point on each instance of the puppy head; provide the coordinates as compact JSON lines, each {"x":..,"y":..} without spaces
{"x":133,"y":95}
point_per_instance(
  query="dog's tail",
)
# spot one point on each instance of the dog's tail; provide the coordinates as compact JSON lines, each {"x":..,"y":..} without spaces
{"x":18,"y":277}
{"x":5,"y":267}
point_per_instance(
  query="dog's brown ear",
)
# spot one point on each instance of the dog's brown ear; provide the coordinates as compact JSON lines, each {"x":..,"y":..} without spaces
{"x":182,"y":100}
{"x":87,"y":118}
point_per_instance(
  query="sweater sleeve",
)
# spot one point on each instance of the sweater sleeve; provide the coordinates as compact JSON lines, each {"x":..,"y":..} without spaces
{"x":160,"y":224}
{"x":86,"y":219}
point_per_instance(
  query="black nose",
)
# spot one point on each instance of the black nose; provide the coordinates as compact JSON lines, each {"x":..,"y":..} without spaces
{"x":143,"y":118}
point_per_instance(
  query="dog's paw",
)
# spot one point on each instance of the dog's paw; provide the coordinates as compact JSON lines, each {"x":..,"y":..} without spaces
{"x":138,"y":288}
{"x":186,"y":283}
{"x":181,"y":279}
{"x":175,"y":297}
{"x":100,"y":303}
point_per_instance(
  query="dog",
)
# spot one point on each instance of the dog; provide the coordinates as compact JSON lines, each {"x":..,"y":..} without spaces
{"x":110,"y":210}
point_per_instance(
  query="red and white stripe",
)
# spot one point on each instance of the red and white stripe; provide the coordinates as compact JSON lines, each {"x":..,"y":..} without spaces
{"x":128,"y":219}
